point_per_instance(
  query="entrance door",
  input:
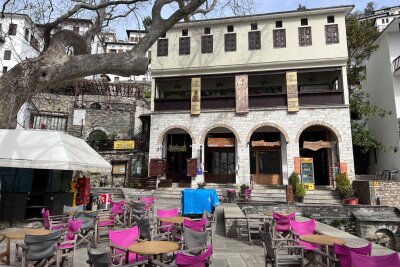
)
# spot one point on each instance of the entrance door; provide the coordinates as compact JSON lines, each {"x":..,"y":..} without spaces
{"x":321,"y":165}
{"x":266,"y":167}
{"x":178,"y":150}
{"x":220,"y":165}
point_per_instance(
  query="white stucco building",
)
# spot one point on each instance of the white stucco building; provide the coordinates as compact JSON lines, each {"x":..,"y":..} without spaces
{"x":381,"y":18}
{"x":220,"y":95}
{"x":19,"y":40}
{"x":383,"y":85}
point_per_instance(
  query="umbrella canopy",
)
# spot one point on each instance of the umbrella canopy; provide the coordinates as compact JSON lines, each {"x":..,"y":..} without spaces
{"x":38,"y":149}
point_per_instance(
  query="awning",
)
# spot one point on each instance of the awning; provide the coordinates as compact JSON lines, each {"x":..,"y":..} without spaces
{"x":39,"y":149}
{"x":262,"y":143}
{"x":220,"y":142}
{"x":316,"y":145}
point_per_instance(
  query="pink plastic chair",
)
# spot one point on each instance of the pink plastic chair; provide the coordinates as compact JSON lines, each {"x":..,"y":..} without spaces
{"x":186,"y":260}
{"x":53,"y":222}
{"x":148,"y":204}
{"x":304,"y":228}
{"x":198,"y":226}
{"x":123,"y":239}
{"x":164,"y":214}
{"x":343,"y":253}
{"x":117,"y":208}
{"x":282,"y":222}
{"x":391,"y":260}
{"x":68,"y":246}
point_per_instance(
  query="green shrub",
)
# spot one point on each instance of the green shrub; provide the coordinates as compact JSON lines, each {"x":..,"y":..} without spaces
{"x":244,"y":187}
{"x":300,"y":190}
{"x":294,"y":180}
{"x":343,"y":186}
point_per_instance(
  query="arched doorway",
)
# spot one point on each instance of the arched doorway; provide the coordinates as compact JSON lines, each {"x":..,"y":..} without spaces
{"x":267,"y":156}
{"x":385,"y":238}
{"x":320,"y":144}
{"x":177,"y":146}
{"x":97,"y":135}
{"x":220,"y":156}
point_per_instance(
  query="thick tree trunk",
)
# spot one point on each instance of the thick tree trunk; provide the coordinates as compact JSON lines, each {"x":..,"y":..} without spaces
{"x":35,"y":75}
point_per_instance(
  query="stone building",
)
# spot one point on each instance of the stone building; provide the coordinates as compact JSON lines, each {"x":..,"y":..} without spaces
{"x":106,"y":115}
{"x":248,"y":98}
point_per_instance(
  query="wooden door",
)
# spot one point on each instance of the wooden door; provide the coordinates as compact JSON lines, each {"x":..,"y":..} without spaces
{"x":268,"y":167}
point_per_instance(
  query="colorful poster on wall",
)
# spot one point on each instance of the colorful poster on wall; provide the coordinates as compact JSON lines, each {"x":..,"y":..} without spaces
{"x":242,"y":95}
{"x":292,"y":92}
{"x":196,"y":96}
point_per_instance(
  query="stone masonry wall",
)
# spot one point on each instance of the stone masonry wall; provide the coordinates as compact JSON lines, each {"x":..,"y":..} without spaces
{"x":388,"y":192}
{"x":291,"y":125}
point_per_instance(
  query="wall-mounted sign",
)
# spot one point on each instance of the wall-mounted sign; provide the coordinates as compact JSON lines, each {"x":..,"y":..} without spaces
{"x":242,"y":94}
{"x":124,"y":144}
{"x":292,"y":92}
{"x":196,"y":96}
{"x":315,"y":146}
{"x":79,"y":117}
{"x":220,"y":142}
{"x":172,"y":148}
{"x":262,"y":143}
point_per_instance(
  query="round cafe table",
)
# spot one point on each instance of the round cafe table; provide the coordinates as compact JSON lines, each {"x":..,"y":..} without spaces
{"x":323,"y":240}
{"x":19,"y":234}
{"x":175,"y":219}
{"x":153,"y":247}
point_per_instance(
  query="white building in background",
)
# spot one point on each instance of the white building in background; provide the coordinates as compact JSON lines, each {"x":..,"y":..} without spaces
{"x":383,"y":86}
{"x":19,"y":39}
{"x":383,"y":17}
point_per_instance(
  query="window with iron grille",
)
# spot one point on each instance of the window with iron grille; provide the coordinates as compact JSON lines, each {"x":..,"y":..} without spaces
{"x":279,"y":38}
{"x":230,"y":42}
{"x":184,"y":46}
{"x":305,"y":38}
{"x":7,"y":54}
{"x":162,"y":47}
{"x":206,"y":44}
{"x":12,"y":29}
{"x":254,"y":40}
{"x":332,"y":34}
{"x":50,"y":122}
{"x":5,"y":69}
{"x":207,"y":30}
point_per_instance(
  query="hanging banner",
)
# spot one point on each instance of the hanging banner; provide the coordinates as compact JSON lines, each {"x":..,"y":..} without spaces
{"x":196,"y":96}
{"x":292,"y":92}
{"x":262,"y":143}
{"x":315,"y":146}
{"x":242,"y":95}
{"x":220,"y":142}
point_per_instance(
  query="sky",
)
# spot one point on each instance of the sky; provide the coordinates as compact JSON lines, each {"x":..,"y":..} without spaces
{"x":266,"y":6}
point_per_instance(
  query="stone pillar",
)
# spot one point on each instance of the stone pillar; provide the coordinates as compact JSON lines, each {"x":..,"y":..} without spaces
{"x":242,"y":163}
{"x":292,"y":151}
{"x":198,"y":152}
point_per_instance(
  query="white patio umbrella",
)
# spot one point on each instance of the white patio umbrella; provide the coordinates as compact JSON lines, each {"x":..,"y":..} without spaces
{"x":38,"y":149}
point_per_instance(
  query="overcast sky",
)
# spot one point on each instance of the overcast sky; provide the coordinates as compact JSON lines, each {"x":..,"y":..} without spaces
{"x":267,"y":6}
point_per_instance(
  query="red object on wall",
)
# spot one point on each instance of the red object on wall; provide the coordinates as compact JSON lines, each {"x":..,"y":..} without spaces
{"x":83,"y":195}
{"x":157,"y":167}
{"x":297,"y":165}
{"x":343,"y":167}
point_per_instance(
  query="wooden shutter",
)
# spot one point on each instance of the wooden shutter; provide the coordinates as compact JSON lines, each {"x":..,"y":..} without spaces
{"x":162,"y":47}
{"x":254,"y":40}
{"x":279,"y":37}
{"x":230,"y":42}
{"x":305,"y":37}
{"x":331,"y":34}
{"x":157,"y":167}
{"x":184,"y":46}
{"x":191,"y":167}
{"x":206,"y":44}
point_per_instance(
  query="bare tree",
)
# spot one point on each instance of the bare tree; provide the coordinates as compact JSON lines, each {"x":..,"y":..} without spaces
{"x":54,"y":65}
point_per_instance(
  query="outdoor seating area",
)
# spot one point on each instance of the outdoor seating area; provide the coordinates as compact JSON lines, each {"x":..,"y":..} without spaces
{"x":132,"y":232}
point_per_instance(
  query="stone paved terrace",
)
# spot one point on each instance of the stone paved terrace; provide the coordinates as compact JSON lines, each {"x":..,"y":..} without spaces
{"x":234,"y":252}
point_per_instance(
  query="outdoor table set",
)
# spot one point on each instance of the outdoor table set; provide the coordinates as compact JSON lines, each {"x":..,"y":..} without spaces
{"x":288,"y":240}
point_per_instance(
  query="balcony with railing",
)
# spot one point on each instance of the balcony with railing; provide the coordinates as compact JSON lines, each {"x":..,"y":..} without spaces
{"x":396,"y":66}
{"x":265,"y":90}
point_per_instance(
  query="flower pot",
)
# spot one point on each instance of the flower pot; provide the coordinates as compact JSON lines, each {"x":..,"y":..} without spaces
{"x":344,"y":201}
{"x":352,"y":201}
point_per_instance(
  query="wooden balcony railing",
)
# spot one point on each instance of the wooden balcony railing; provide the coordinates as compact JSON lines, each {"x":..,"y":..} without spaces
{"x":326,"y":97}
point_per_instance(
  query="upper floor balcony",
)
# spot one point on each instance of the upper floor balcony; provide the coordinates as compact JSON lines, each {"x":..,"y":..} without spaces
{"x":318,"y":87}
{"x":396,"y":66}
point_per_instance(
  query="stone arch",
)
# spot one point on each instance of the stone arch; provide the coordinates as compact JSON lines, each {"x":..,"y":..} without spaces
{"x":386,"y":238}
{"x":206,"y":131}
{"x":96,"y":129}
{"x":267,"y":125}
{"x":166,"y":130}
{"x":318,"y":123}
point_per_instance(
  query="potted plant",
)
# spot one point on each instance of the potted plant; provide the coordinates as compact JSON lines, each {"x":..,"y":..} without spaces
{"x":294,"y":180}
{"x":345,"y":190}
{"x":201,"y":185}
{"x":300,"y":192}
{"x":244,"y":187}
